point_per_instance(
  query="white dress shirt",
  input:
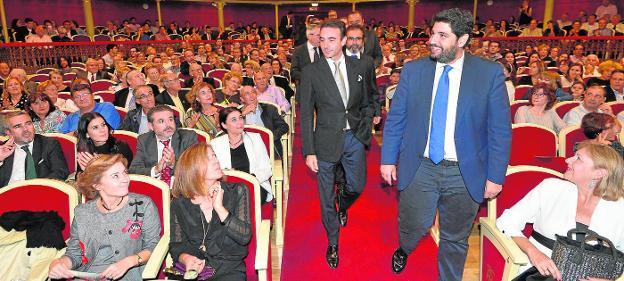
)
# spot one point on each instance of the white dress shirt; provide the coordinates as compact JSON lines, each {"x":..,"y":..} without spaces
{"x":450,"y":152}
{"x":18,"y":173}
{"x":311,"y":51}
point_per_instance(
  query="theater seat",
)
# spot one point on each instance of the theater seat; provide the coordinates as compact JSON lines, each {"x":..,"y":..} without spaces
{"x":201,"y":135}
{"x":131,"y":138}
{"x":68,"y":145}
{"x":563,"y":107}
{"x":513,"y":107}
{"x":616,"y":107}
{"x":567,"y":138}
{"x":529,"y":141}
{"x":500,"y":257}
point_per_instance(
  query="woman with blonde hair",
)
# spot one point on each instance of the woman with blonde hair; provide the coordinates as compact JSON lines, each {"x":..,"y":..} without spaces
{"x":210,"y":219}
{"x":587,"y":198}
{"x":229,"y":95}
{"x":114,"y":233}
{"x":605,"y":68}
{"x":14,"y":96}
{"x":49,"y":89}
{"x":203,"y":114}
{"x":57,"y":79}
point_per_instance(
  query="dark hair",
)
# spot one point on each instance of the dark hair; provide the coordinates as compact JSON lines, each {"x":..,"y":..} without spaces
{"x":334,"y":23}
{"x":85,"y":143}
{"x":110,"y":47}
{"x":28,"y":20}
{"x":617,"y":71}
{"x":460,"y":21}
{"x":548,"y":91}
{"x":223,"y":114}
{"x":78,"y":86}
{"x":41,"y":97}
{"x":158,"y":108}
{"x":396,"y":70}
{"x":594,"y":123}
{"x":356,"y":27}
{"x":68,"y":59}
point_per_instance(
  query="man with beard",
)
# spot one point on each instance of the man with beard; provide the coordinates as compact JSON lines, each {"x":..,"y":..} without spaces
{"x":159,"y":149}
{"x":449,"y":132}
{"x":26,"y":155}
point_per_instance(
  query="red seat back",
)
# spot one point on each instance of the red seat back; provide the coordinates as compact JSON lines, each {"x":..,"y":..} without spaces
{"x":217,"y":73}
{"x":571,"y":138}
{"x":563,"y":108}
{"x":130,"y":138}
{"x":156,"y":190}
{"x":513,"y":107}
{"x":68,"y":145}
{"x":39,"y":78}
{"x":521,"y":92}
{"x":528,"y":141}
{"x":101,"y":85}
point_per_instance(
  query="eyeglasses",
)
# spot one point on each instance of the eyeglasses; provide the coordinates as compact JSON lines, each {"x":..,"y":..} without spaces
{"x":144,"y":96}
{"x":539,"y":95}
{"x":354,"y":38}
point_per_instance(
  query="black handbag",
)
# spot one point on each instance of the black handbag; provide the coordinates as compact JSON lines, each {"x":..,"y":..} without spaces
{"x":578,"y":259}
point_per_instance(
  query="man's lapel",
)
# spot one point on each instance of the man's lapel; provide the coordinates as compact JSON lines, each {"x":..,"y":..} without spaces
{"x":353,"y":76}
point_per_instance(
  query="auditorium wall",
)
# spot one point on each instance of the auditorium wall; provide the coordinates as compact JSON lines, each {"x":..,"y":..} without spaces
{"x":205,"y":13}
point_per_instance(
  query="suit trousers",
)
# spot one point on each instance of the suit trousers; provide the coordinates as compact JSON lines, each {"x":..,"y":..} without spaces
{"x":353,"y":161}
{"x":438,"y":187}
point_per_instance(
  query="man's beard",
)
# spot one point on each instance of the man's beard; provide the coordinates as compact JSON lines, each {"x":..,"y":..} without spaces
{"x":447,"y":55}
{"x":355,"y":48}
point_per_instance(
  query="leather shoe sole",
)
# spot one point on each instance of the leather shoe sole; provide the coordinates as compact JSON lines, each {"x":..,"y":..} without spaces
{"x":399,"y":260}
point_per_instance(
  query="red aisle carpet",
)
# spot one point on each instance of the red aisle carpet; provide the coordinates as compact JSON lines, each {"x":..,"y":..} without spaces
{"x":366,"y":244}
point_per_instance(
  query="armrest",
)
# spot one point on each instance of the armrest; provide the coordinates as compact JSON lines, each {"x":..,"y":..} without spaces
{"x":40,"y":259}
{"x":620,"y":279}
{"x":153,"y":265}
{"x":505,"y":246}
{"x":263,"y":246}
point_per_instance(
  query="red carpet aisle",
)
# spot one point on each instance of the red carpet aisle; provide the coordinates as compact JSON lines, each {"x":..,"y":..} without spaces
{"x":366,"y":244}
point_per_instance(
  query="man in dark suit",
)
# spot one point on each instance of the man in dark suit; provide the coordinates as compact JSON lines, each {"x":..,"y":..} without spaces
{"x":615,"y":90}
{"x":371,"y":43}
{"x":306,"y":53}
{"x":334,"y":88}
{"x":264,"y":115}
{"x":159,"y":149}
{"x":26,"y":155}
{"x":197,"y":74}
{"x":189,"y":58}
{"x":93,"y":72}
{"x":172,"y":94}
{"x":286,"y":25}
{"x":125,"y":97}
{"x":449,"y":132}
{"x":136,"y":119}
{"x":23,"y":31}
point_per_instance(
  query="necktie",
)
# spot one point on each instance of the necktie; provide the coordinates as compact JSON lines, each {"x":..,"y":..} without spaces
{"x":438,"y":118}
{"x":132,"y":104}
{"x":340,"y":83}
{"x":31,"y":172}
{"x":165,"y":174}
{"x":316,"y":54}
{"x":92,"y":77}
{"x":355,"y":57}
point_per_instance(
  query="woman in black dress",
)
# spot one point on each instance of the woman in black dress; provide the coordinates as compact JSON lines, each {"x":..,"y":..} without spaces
{"x":95,"y":137}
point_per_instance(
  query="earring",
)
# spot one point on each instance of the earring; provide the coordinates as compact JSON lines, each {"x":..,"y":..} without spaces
{"x":592,"y":184}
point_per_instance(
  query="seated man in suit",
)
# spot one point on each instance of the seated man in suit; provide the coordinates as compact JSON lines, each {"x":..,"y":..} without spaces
{"x":593,"y":100}
{"x":159,"y":149}
{"x":125,"y":97}
{"x":263,"y":115}
{"x":615,"y":90}
{"x":26,"y":155}
{"x":197,"y":75}
{"x":85,"y":101}
{"x":278,"y":81}
{"x":93,"y":72}
{"x":136,"y":119}
{"x":189,"y":58}
{"x":172,"y":94}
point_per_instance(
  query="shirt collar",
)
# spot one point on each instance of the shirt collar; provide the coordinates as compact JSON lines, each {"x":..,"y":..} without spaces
{"x":341,"y":60}
{"x":457,"y":65}
{"x":349,"y":53}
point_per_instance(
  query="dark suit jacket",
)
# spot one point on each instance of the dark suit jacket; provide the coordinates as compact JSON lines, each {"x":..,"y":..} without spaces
{"x":300,"y":58}
{"x":610,"y":94}
{"x":372,"y":47}
{"x":285,"y":31}
{"x":274,"y":122}
{"x":122,"y":95}
{"x":189,"y":82}
{"x":482,"y":126}
{"x":371,"y":79}
{"x":165,"y":98}
{"x":318,"y":92}
{"x":21,"y":33}
{"x":283,"y":83}
{"x":132,"y":122}
{"x":49,"y":161}
{"x":184,"y":67}
{"x":99,"y":75}
{"x":146,"y":156}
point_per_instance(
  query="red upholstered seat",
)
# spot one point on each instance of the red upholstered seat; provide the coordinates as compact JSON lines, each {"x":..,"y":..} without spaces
{"x":68,"y":145}
{"x":616,"y":107}
{"x":217,"y":73}
{"x":107,"y":96}
{"x":563,"y":107}
{"x":101,"y":85}
{"x":529,"y":141}
{"x":39,"y":78}
{"x":521,"y":91}
{"x":122,"y":112}
{"x":131,"y":138}
{"x":383,"y":79}
{"x":41,"y":195}
{"x":567,"y":138}
{"x":513,"y":107}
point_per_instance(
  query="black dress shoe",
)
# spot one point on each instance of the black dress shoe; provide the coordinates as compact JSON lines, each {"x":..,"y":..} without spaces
{"x":332,"y":256}
{"x":342,"y":216}
{"x":399,"y":260}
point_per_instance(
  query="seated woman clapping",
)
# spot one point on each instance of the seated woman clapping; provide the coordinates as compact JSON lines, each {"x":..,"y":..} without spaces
{"x":95,"y":138}
{"x":588,"y":198}
{"x":210,"y":219}
{"x":243,"y":151}
{"x":115,"y":232}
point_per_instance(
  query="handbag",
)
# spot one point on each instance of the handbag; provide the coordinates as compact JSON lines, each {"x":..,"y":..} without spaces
{"x":178,"y":272}
{"x":578,"y":259}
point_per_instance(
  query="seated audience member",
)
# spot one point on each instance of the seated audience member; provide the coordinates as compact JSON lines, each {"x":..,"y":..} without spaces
{"x":152,"y":72}
{"x":172,"y":95}
{"x":95,"y":138}
{"x":29,"y":86}
{"x":39,"y":36}
{"x":593,"y":99}
{"x":57,"y":79}
{"x":576,"y":29}
{"x":26,"y":155}
{"x":605,"y":69}
{"x":203,"y":114}
{"x":125,"y":97}
{"x":93,"y":72}
{"x":251,"y":67}
{"x":602,"y":128}
{"x":270,"y":93}
{"x":85,"y":101}
{"x":277,"y":81}
{"x":49,"y":89}
{"x":536,"y":68}
{"x":197,"y":75}
{"x":278,"y":69}
{"x":215,"y":61}
{"x":5,"y":70}
{"x":587,"y":199}
{"x":64,"y":65}
{"x":539,"y":111}
{"x":159,"y":149}
{"x":46,"y":117}
{"x":575,"y":73}
{"x":130,"y":222}
{"x":210,"y":219}
{"x":532,"y":30}
{"x":263,"y":115}
{"x":136,"y":119}
{"x":578,"y":90}
{"x":591,"y":66}
{"x":615,"y":89}
{"x":242,"y":151}
{"x":189,"y":58}
{"x":13,"y":95}
{"x":229,"y":95}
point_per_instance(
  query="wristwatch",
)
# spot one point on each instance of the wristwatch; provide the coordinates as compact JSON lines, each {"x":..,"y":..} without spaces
{"x":139,"y":260}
